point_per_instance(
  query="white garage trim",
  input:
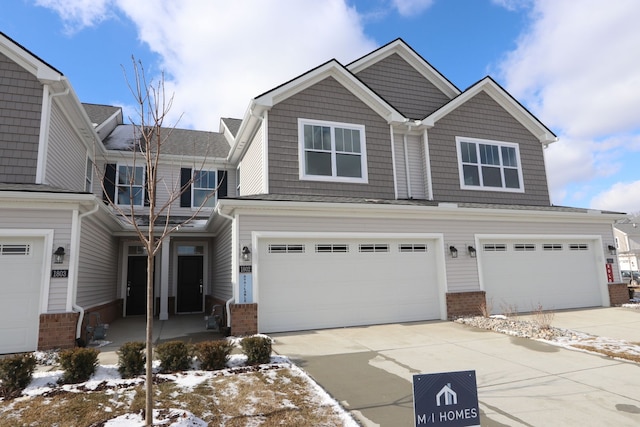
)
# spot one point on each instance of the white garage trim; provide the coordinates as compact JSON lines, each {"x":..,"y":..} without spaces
{"x":597,"y":249}
{"x":47,"y":234}
{"x":436,"y":248}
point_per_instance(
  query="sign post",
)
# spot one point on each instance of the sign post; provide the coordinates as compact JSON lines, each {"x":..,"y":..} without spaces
{"x":446,"y":399}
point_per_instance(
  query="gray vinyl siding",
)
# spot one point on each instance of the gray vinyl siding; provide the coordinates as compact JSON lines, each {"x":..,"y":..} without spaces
{"x":20,"y":115}
{"x":222,"y":254}
{"x":252,"y":166}
{"x":462,"y":272}
{"x":66,"y":162}
{"x":327,"y":100}
{"x":46,"y":219}
{"x":97,"y":265}
{"x":481,"y":117}
{"x":403,"y":87}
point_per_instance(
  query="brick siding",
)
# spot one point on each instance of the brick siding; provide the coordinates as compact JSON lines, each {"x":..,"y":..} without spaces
{"x":244,"y":319}
{"x":57,"y":330}
{"x":618,"y":293}
{"x":465,"y":304}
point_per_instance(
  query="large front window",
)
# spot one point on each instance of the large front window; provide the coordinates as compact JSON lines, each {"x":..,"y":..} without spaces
{"x":332,"y":151}
{"x":204,"y":185}
{"x":130,"y":188}
{"x":489,"y":165}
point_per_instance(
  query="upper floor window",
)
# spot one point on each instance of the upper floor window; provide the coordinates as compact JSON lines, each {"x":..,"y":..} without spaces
{"x":130,"y":185}
{"x":331,"y":151}
{"x":489,"y":165}
{"x":204,"y":185}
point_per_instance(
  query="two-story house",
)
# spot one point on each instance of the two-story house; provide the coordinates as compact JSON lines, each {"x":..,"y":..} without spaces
{"x":374,"y":192}
{"x":627,"y":236}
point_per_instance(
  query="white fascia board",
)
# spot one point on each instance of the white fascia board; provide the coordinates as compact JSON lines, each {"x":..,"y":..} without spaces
{"x":418,"y":63}
{"x":345,"y":78}
{"x":488,"y":86}
{"x":278,"y":208}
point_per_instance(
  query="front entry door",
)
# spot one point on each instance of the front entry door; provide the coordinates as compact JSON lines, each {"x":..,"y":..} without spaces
{"x":136,"y":285}
{"x":190,"y":287}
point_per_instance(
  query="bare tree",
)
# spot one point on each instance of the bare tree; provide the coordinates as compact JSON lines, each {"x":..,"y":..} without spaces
{"x":153,"y":106}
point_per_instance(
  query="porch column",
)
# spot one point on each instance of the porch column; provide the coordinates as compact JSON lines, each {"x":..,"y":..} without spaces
{"x":164,"y":279}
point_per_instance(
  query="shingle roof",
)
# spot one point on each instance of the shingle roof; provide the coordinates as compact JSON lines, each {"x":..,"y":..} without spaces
{"x":36,"y":188}
{"x":183,"y":142}
{"x":99,"y":113}
{"x":232,"y":124}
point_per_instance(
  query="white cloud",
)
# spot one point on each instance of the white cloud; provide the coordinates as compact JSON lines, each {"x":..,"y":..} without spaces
{"x":219,"y":54}
{"x":621,"y":197}
{"x":78,"y":14}
{"x":409,"y":8}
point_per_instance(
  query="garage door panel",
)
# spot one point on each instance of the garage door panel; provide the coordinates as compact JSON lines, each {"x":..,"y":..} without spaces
{"x":526,"y":275}
{"x":320,"y":290}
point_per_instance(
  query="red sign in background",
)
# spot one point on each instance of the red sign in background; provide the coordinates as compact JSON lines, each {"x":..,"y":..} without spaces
{"x":609,"y":273}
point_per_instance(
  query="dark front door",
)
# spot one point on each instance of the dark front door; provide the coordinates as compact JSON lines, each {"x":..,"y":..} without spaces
{"x":136,"y":285}
{"x":190,"y":284}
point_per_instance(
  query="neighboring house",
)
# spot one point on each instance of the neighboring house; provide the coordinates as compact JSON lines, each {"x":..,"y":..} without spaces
{"x":374,"y":192}
{"x":627,"y":237}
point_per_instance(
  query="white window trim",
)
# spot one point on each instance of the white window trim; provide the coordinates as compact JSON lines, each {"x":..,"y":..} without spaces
{"x":460,"y":139}
{"x":301,"y":152}
{"x":144,"y":183}
{"x":193,"y":189}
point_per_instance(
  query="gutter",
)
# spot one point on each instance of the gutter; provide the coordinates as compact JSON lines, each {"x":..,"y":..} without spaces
{"x":74,"y":305}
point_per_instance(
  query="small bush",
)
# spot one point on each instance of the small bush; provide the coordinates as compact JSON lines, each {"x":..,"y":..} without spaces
{"x":213,"y":355}
{"x":131,"y":359}
{"x":174,"y":356}
{"x":78,"y":364}
{"x":257,"y":348}
{"x":15,"y":374}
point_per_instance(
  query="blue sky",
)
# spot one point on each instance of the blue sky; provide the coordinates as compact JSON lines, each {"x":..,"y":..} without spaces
{"x":574,"y":64}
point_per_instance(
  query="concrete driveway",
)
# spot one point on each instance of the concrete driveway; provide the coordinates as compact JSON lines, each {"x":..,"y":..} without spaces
{"x":521,"y":382}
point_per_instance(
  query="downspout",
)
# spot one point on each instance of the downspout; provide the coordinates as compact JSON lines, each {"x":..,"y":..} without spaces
{"x":232,"y":299}
{"x":75,"y":284}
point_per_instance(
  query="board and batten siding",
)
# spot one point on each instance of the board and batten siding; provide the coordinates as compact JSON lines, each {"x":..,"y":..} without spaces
{"x":252,"y":166}
{"x":66,"y":162}
{"x":20,"y":115}
{"x":411,"y":158}
{"x":48,"y":219}
{"x":403,"y":86}
{"x":482,"y":117}
{"x":222,"y":286}
{"x":97,"y":265}
{"x":327,"y":100}
{"x":462,"y":272}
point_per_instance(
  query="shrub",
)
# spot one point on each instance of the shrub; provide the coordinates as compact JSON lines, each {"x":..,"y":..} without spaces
{"x":131,"y":359}
{"x":78,"y":364}
{"x":213,"y":355}
{"x":174,"y":356}
{"x":257,"y":348}
{"x":15,"y":374}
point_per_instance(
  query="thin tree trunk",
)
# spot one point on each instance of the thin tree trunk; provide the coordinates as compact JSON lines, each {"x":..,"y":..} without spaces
{"x":149,"y":340}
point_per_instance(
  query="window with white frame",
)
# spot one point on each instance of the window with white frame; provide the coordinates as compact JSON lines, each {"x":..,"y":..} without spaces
{"x":331,"y":151}
{"x":130,"y":185}
{"x":489,"y":165}
{"x":204,"y":185}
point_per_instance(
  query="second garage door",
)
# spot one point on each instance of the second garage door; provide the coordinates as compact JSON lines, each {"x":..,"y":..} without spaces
{"x":525,"y":274}
{"x":323,"y":283}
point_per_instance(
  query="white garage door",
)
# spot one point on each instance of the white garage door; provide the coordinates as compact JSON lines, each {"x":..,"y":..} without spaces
{"x":317,"y":283}
{"x":21,"y":267}
{"x":522,"y":275}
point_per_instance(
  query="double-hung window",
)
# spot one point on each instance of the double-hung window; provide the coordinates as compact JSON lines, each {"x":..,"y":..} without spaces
{"x":489,"y":165}
{"x":204,"y":185}
{"x":130,"y":185}
{"x":331,"y":151}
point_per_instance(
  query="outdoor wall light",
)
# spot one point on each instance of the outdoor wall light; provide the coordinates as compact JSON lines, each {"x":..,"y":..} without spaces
{"x":246,"y":253}
{"x":612,"y":250}
{"x":472,"y":251}
{"x":453,"y":251}
{"x":58,"y":255}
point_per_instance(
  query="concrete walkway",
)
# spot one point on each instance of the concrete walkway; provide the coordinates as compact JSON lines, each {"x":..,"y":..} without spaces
{"x":521,"y":382}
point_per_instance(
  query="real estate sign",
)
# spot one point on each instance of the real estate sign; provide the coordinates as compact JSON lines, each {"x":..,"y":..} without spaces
{"x":446,"y":399}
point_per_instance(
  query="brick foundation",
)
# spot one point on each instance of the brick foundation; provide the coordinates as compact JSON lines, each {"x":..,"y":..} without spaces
{"x":465,"y":304}
{"x":57,"y":330}
{"x":618,"y":293}
{"x":244,"y":319}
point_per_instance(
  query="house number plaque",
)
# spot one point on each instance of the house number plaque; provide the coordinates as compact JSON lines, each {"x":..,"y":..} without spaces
{"x":58,"y":274}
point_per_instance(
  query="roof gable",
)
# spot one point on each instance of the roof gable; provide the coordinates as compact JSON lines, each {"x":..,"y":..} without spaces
{"x":505,"y":100}
{"x":402,"y":49}
{"x":27,"y":60}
